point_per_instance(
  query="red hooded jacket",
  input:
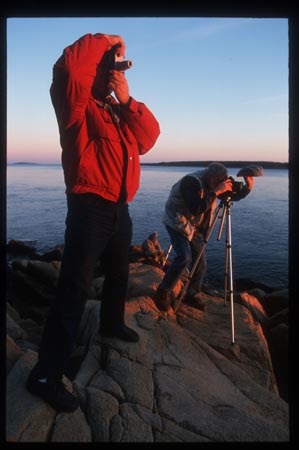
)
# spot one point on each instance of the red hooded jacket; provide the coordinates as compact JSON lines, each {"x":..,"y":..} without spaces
{"x":98,"y":155}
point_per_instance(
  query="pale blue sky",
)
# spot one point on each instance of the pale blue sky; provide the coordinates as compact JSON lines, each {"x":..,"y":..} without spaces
{"x":218,"y":86}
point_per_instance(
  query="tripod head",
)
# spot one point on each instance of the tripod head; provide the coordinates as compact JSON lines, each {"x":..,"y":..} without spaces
{"x":226,"y":202}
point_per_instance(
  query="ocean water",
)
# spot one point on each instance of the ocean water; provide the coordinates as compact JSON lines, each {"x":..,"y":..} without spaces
{"x":36,"y":210}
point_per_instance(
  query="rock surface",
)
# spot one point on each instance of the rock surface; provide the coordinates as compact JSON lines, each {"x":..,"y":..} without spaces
{"x":184,"y":381}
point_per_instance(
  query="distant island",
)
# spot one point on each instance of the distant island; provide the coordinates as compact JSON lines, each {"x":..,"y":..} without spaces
{"x":23,"y":163}
{"x":238,"y":164}
{"x":28,"y":163}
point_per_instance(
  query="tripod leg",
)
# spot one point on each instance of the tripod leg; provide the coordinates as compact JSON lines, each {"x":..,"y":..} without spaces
{"x":224,"y":216}
{"x":184,"y":290}
{"x":221,"y":223}
{"x":231,"y":284}
{"x":167,"y":255}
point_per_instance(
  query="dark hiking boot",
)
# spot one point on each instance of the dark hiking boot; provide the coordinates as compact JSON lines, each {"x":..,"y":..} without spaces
{"x":53,"y":392}
{"x":195,"y":301}
{"x":162,"y":299}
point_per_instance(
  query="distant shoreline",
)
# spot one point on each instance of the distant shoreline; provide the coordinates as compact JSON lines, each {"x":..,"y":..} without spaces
{"x":238,"y":164}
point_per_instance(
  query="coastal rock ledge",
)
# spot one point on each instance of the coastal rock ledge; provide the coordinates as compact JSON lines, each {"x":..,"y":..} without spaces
{"x":184,"y":381}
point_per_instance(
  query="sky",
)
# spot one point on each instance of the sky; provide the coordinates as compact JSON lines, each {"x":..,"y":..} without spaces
{"x":217,"y":86}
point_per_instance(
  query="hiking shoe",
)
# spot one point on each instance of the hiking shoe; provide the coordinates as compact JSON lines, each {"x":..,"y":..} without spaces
{"x":162,"y":299}
{"x":53,"y":392}
{"x":195,"y":301}
{"x":125,"y":334}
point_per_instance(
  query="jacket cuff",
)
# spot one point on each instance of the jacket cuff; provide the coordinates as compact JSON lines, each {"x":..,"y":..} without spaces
{"x":131,"y":105}
{"x":127,"y":105}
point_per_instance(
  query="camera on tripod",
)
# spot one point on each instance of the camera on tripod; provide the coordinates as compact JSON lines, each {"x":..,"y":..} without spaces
{"x":118,"y":62}
{"x":238,"y":187}
{"x":235,"y":193}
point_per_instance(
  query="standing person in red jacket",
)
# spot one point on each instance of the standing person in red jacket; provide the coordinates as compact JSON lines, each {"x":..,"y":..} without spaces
{"x":101,"y":138}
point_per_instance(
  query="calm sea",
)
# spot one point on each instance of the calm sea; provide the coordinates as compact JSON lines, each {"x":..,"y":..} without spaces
{"x":36,"y":210}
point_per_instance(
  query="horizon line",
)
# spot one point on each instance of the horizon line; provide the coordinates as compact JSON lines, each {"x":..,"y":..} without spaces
{"x":188,"y":162}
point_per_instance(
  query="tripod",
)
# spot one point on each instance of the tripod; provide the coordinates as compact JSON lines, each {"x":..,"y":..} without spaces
{"x":228,"y":277}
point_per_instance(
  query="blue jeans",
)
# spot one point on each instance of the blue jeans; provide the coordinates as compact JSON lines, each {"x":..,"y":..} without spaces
{"x":96,"y":229}
{"x":186,"y":253}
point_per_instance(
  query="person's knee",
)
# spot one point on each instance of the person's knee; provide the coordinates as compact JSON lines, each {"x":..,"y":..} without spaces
{"x":183,"y":261}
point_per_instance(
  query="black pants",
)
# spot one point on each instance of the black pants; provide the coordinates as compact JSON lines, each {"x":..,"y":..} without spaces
{"x":96,"y":229}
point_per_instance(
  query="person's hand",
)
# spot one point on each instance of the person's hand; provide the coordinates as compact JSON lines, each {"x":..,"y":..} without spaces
{"x":115,"y":39}
{"x":118,"y":83}
{"x":249,"y":181}
{"x":224,"y":186}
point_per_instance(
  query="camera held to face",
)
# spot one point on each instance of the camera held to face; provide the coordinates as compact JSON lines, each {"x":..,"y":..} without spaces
{"x":118,"y":62}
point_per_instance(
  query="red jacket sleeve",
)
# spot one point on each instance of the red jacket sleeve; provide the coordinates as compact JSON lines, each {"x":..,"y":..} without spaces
{"x":143,"y":125}
{"x":73,"y":76}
